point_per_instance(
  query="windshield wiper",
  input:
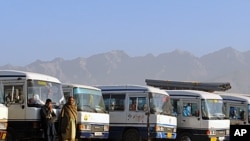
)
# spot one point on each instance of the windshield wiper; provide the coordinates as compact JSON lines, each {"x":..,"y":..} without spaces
{"x":92,"y":109}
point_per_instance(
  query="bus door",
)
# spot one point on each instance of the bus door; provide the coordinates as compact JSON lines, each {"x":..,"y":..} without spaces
{"x":136,"y":105}
{"x":190,"y":114}
{"x":14,"y":99}
{"x":237,"y":113}
{"x":115,"y":104}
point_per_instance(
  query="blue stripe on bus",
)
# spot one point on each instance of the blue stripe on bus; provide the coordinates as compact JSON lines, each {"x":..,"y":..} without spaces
{"x":117,"y":133}
{"x":124,"y":90}
{"x":173,"y":95}
{"x":141,"y":124}
{"x":233,"y":100}
{"x":12,"y":75}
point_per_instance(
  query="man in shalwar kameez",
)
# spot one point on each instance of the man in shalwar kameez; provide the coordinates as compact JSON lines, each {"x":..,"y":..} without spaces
{"x":68,"y":119}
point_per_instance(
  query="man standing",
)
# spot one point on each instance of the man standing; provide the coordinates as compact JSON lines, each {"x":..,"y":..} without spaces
{"x":68,"y":119}
{"x":48,"y":118}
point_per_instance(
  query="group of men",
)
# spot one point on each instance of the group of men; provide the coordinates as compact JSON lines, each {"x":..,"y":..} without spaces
{"x":67,"y":121}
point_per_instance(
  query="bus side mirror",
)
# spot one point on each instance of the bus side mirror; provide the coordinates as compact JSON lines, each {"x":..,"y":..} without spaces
{"x":8,"y":103}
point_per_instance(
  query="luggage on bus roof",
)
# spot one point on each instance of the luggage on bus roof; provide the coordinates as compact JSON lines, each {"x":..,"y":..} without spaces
{"x":188,"y":85}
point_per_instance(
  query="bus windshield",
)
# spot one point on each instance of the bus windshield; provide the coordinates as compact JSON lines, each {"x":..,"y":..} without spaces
{"x":160,"y":104}
{"x":212,"y":109}
{"x":38,"y":91}
{"x":89,"y":100}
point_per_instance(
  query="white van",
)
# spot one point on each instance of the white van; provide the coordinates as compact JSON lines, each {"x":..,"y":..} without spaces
{"x":93,"y":120}
{"x":24,"y":94}
{"x":200,"y":116}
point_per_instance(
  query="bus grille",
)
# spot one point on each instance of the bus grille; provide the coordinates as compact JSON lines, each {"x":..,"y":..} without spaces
{"x":220,"y":133}
{"x":97,"y":128}
{"x":168,"y":130}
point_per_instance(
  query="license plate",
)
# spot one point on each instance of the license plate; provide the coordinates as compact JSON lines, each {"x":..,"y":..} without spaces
{"x":98,"y":133}
{"x":169,"y":135}
{"x":213,"y":139}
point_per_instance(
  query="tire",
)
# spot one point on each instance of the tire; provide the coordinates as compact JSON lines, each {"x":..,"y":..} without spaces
{"x":131,"y":135}
{"x":184,"y":137}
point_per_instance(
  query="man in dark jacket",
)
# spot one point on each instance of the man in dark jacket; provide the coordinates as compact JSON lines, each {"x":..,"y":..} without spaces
{"x":48,"y":118}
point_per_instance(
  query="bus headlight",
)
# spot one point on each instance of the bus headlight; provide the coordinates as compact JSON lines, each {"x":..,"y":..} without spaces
{"x":3,"y":125}
{"x":84,"y":126}
{"x":227,"y":132}
{"x":211,"y":132}
{"x":106,"y":128}
{"x":174,"y":130}
{"x":159,"y":128}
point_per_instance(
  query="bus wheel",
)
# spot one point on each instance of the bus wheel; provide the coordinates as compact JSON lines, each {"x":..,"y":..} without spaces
{"x":131,"y":135}
{"x":184,"y":137}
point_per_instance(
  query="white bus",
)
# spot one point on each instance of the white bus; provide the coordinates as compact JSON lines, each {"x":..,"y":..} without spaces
{"x":237,"y":107}
{"x":25,"y":93}
{"x":3,"y":116}
{"x":93,"y":119}
{"x":139,"y":113}
{"x":200,"y":116}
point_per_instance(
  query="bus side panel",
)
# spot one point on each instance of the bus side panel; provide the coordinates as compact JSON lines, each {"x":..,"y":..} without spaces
{"x":216,"y":124}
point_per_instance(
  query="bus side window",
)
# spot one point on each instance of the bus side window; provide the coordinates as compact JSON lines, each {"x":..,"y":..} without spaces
{"x":195,"y":110}
{"x":114,"y":102}
{"x":176,"y":106}
{"x":186,"y":111}
{"x":233,"y":113}
{"x":132,"y":103}
{"x":141,"y":103}
{"x":242,"y":115}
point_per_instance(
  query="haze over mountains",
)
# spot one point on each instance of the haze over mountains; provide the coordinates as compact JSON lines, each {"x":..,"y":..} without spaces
{"x":116,"y":67}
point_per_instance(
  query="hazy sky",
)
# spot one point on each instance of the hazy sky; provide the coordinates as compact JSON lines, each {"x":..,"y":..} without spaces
{"x":47,"y":29}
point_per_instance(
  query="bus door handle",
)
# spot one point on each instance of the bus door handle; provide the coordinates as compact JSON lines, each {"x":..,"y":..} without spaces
{"x":184,"y":120}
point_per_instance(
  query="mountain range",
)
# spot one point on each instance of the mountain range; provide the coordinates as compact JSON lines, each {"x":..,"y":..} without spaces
{"x":116,"y":67}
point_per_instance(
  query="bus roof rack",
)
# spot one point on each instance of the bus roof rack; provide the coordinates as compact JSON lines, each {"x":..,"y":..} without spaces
{"x":188,"y":85}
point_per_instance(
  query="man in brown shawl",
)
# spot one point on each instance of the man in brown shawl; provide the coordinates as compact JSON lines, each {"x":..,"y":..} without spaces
{"x":68,"y":119}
